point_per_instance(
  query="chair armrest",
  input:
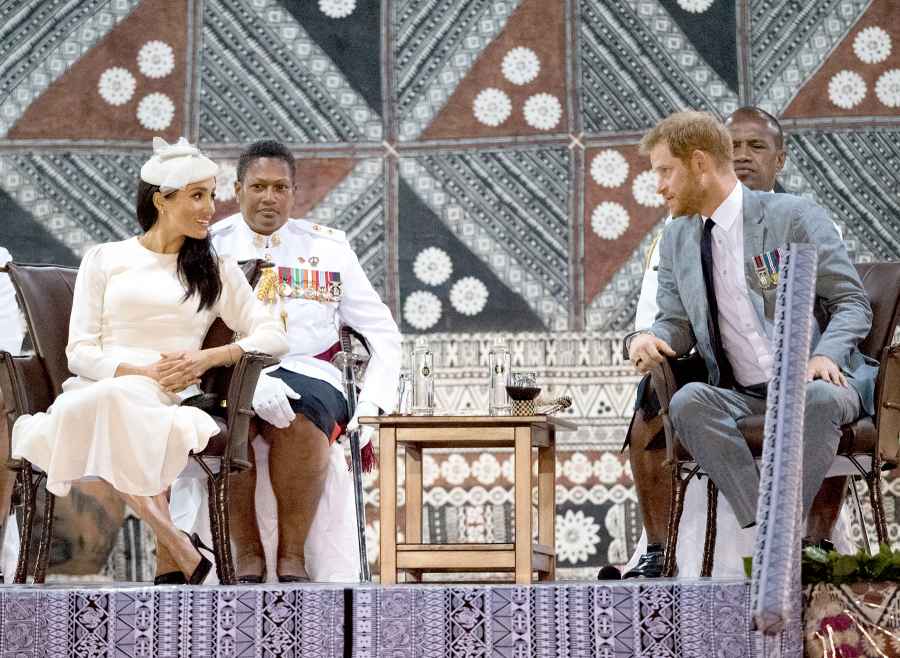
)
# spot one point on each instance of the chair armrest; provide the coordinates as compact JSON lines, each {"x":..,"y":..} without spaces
{"x":24,"y":389}
{"x":887,"y":405}
{"x":664,"y":385}
{"x":24,"y":386}
{"x":239,"y":399}
{"x":667,"y":378}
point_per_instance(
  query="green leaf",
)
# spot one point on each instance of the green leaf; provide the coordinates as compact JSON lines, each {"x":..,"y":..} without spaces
{"x":844,"y":565}
{"x":815,"y":554}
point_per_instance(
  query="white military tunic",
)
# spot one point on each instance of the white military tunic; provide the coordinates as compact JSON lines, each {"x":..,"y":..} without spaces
{"x":331,"y":548}
{"x":12,"y":332}
{"x":12,"y":324}
{"x":312,"y":325}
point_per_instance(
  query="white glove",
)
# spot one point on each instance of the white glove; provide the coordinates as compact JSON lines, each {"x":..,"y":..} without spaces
{"x":366,"y":432}
{"x":270,"y":401}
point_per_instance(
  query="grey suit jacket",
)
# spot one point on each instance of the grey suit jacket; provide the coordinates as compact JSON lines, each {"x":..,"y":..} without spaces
{"x":843,"y":314}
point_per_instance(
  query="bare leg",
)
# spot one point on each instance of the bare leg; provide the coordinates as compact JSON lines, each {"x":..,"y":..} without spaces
{"x":297,"y":464}
{"x":825,"y":508}
{"x":249,"y":558}
{"x":154,"y":511}
{"x":651,"y":477}
{"x":165,"y":563}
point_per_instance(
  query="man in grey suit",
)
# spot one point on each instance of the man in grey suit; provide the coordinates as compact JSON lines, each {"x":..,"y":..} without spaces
{"x":717,"y":284}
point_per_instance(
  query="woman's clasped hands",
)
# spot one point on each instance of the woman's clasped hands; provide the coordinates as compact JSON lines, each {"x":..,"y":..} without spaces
{"x":175,"y":371}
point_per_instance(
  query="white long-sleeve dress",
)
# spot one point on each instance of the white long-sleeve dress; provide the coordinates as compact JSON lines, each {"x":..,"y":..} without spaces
{"x":129,"y":307}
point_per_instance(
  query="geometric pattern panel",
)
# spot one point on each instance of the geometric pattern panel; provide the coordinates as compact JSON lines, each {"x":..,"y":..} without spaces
{"x":509,"y":209}
{"x":517,"y":86}
{"x":790,"y":41}
{"x":468,"y":148}
{"x":130,"y":85}
{"x":436,"y":46}
{"x":279,"y":84}
{"x":39,"y":46}
{"x":238,"y":621}
{"x":855,"y":176}
{"x":79,"y":198}
{"x":860,"y":77}
{"x":630,"y":84}
{"x":621,"y":209}
{"x":662,"y":619}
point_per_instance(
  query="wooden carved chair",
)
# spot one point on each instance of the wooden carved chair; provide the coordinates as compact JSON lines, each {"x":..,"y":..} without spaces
{"x":30,"y":384}
{"x":872,"y":439}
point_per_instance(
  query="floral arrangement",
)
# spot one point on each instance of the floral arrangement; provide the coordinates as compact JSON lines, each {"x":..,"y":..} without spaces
{"x":819,"y":566}
{"x":846,"y":603}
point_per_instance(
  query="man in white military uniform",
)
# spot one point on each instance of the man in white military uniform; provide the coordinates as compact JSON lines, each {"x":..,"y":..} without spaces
{"x":317,"y":284}
{"x":12,"y":332}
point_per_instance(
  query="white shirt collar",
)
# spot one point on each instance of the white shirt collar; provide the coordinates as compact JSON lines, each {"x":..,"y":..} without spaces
{"x":730,"y":209}
{"x":259,"y":239}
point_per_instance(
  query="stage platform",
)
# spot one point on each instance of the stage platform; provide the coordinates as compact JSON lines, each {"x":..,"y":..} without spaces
{"x":565,"y":619}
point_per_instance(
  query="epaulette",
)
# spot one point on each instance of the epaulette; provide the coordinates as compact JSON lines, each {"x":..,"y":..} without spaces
{"x":653,"y":246}
{"x":225,"y":226}
{"x":319,"y":230}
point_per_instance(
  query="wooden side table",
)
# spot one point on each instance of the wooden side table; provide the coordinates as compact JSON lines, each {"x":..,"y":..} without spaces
{"x":522,"y":433}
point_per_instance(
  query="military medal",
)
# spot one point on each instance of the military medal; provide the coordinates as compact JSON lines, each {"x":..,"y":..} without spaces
{"x":304,"y":283}
{"x":767,"y":267}
{"x":314,"y":261}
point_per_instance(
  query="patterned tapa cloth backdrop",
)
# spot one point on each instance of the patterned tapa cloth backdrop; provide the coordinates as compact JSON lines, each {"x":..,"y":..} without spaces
{"x":482,"y":156}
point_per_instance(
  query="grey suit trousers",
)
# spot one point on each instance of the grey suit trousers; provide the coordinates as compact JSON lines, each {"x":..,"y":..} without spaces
{"x":705,"y":418}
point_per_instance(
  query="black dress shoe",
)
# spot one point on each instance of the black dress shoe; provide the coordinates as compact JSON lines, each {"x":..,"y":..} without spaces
{"x":650,"y":565}
{"x":170,"y":578}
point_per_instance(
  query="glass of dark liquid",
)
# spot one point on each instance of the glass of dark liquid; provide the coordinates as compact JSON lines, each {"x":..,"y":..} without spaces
{"x":522,"y":389}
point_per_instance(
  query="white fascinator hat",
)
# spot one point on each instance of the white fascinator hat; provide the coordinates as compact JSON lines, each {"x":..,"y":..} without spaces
{"x":172,"y":166}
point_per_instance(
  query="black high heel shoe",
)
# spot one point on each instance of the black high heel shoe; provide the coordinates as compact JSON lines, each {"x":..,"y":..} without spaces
{"x":170,"y":578}
{"x":205,"y":566}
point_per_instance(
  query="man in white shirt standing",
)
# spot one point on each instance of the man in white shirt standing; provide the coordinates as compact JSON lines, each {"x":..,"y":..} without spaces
{"x":317,"y":284}
{"x":758,"y":156}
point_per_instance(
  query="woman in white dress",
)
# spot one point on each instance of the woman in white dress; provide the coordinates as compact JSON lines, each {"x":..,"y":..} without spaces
{"x":140,"y":312}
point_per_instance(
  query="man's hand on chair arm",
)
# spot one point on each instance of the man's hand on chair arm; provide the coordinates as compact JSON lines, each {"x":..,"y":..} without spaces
{"x":646,"y":351}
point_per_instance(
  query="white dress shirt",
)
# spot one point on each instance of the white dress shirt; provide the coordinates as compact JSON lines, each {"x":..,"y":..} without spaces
{"x":743,"y":338}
